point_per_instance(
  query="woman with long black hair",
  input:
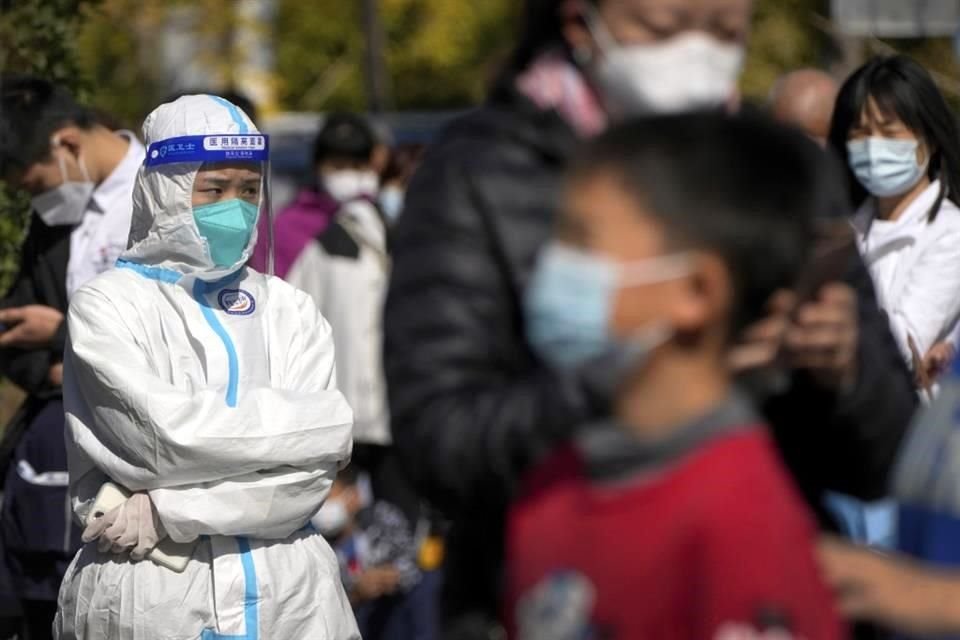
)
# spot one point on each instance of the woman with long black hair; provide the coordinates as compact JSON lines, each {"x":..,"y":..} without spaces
{"x":901,"y":144}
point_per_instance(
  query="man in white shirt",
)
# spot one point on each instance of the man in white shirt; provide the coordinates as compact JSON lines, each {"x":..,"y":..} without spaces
{"x":80,"y":177}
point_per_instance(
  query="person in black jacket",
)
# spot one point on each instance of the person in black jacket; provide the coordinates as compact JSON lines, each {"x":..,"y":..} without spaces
{"x":79,"y":175}
{"x":472,"y":407}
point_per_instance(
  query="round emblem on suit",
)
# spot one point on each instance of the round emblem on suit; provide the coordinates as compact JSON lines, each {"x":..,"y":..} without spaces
{"x":237,"y":302}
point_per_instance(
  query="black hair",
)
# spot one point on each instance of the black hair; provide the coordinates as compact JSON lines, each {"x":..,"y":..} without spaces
{"x":744,"y":187}
{"x":31,"y":111}
{"x":344,"y":136}
{"x":901,"y":86}
{"x":541,"y":30}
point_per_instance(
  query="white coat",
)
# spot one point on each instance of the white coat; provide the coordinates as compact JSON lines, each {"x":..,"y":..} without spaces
{"x":214,"y":390}
{"x":346,"y":271}
{"x":915,"y":266}
{"x":101,"y":236}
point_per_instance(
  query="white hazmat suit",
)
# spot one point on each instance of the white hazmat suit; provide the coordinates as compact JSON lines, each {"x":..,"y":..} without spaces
{"x":213,"y":390}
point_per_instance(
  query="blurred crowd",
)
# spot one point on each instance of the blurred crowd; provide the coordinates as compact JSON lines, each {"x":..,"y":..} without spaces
{"x":624,"y":355}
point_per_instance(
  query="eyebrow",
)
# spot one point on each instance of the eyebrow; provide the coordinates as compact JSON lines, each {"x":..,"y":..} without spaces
{"x":220,"y":181}
{"x":214,"y":180}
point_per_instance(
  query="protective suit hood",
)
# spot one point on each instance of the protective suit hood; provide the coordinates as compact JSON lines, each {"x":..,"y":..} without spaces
{"x":163,"y":233}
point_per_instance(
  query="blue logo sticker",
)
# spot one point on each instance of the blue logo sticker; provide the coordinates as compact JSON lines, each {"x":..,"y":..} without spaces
{"x":237,"y":302}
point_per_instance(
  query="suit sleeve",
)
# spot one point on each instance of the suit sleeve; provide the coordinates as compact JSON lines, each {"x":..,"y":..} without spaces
{"x":146,"y":433}
{"x":470,"y":406}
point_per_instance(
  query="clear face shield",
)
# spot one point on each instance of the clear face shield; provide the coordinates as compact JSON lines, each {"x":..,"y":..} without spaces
{"x":235,"y":170}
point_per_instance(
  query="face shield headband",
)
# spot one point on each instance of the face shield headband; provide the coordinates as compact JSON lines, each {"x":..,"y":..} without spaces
{"x":202,"y":149}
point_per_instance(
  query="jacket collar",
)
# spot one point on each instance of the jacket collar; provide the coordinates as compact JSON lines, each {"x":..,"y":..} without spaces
{"x":509,"y":115}
{"x":613,"y":454}
{"x":119,"y":183}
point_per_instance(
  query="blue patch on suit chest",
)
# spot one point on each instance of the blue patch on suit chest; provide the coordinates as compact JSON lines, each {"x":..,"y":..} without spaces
{"x":237,"y":302}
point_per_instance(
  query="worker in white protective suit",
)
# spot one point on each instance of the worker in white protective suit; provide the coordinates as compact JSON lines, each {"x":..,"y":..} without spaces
{"x":208,"y":391}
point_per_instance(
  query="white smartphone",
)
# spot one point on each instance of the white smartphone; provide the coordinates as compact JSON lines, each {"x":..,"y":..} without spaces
{"x":169,"y":554}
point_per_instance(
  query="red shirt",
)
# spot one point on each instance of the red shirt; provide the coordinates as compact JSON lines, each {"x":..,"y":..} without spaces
{"x":695,"y":544}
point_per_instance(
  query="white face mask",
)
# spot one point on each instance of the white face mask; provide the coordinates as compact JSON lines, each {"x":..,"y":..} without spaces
{"x":331,"y":519}
{"x":65,"y":204}
{"x":350,"y":184}
{"x":692,"y":70}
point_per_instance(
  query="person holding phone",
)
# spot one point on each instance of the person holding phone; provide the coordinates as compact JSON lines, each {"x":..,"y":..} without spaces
{"x":79,"y":174}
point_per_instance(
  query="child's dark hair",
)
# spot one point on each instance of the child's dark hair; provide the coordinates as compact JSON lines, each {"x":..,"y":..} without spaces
{"x":744,"y":187}
{"x":902,"y":87}
{"x":31,"y":111}
{"x":344,"y":136}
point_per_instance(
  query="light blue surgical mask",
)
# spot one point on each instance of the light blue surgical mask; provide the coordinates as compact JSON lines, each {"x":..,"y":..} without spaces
{"x":570,"y":299}
{"x":391,"y":202}
{"x":885,"y":166}
{"x":227,"y":227}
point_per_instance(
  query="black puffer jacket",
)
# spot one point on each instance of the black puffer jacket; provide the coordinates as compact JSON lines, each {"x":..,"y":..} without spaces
{"x":472,"y":407}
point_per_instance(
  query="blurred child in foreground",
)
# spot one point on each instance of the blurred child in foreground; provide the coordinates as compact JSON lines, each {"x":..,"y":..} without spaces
{"x":675,"y":518}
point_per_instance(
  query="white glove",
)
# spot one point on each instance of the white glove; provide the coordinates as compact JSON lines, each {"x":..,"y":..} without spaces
{"x":133,"y":526}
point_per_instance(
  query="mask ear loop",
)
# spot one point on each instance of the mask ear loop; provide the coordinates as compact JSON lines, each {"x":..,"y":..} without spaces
{"x":83,"y":169}
{"x":598,"y":29}
{"x":54,"y":143}
{"x":658,"y":269}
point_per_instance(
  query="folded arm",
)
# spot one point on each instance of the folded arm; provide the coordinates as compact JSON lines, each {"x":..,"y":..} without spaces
{"x":145,"y":433}
{"x":264,"y":504}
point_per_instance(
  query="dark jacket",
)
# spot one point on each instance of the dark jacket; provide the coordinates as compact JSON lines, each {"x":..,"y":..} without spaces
{"x":36,"y":523}
{"x":472,"y":407}
{"x":41,"y":279}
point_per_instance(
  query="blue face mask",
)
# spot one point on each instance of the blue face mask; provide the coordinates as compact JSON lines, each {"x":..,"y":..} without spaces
{"x":227,"y":227}
{"x":391,"y":202}
{"x":571,"y":296}
{"x":885,"y":166}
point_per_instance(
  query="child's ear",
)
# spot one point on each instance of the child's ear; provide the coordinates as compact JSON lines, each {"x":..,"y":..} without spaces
{"x":706,"y":296}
